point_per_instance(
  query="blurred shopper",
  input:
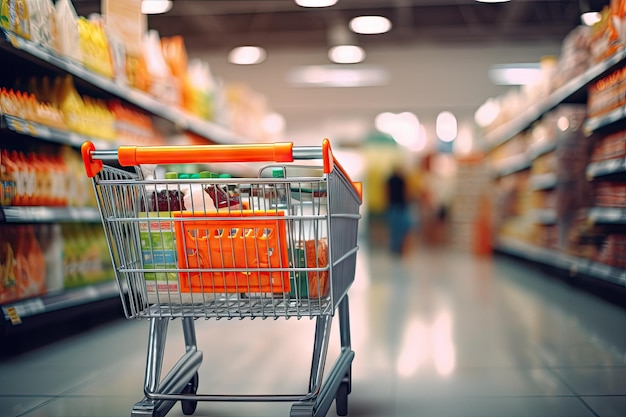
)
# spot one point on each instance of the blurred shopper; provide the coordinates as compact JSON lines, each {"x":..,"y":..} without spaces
{"x":398,"y":217}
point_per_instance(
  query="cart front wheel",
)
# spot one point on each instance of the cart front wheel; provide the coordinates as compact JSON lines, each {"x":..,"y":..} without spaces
{"x":341,"y":399}
{"x":303,"y":409}
{"x":189,"y":407}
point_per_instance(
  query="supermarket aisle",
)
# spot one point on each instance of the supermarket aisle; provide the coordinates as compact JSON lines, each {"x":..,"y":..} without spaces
{"x":440,"y":334}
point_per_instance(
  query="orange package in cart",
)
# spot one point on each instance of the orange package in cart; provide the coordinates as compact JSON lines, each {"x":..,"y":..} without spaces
{"x":247,"y":255}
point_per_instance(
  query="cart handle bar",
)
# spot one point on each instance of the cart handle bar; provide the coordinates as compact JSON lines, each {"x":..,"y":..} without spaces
{"x":255,"y":152}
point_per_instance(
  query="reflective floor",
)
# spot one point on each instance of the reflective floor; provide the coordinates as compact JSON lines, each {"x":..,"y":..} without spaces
{"x":438,"y":333}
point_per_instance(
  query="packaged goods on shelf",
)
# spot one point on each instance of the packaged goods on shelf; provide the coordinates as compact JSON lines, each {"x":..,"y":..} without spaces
{"x":610,"y":194}
{"x":612,"y":146}
{"x":162,"y":84}
{"x":15,"y":16}
{"x":575,"y":56}
{"x":546,"y":236}
{"x":85,"y":255}
{"x":605,"y":37}
{"x":45,"y":180}
{"x":613,"y":251}
{"x":607,"y":94}
{"x":68,"y":36}
{"x":94,"y":46}
{"x":22,"y":264}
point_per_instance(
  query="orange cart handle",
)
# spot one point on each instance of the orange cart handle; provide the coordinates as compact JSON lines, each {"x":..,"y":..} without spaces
{"x":138,"y":155}
{"x":254,"y":152}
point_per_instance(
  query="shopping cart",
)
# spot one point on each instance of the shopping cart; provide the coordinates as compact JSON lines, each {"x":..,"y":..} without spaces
{"x":282,"y":244}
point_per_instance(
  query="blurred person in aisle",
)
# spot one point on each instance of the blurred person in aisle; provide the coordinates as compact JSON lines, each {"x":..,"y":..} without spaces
{"x":398,"y":216}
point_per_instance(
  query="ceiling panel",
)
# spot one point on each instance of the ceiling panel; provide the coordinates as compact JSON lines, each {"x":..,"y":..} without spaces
{"x":222,"y":24}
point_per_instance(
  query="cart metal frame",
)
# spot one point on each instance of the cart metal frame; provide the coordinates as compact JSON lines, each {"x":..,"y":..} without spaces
{"x":122,"y":197}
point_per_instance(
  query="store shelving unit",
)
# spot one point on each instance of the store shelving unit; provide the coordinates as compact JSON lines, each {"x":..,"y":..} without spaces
{"x":605,"y":168}
{"x":559,"y":260}
{"x":542,"y":182}
{"x":608,"y":215}
{"x":15,"y":47}
{"x":574,"y":91}
{"x":40,"y":131}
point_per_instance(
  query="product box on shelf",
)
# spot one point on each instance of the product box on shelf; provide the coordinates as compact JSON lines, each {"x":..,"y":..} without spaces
{"x":610,"y":194}
{"x":612,"y":146}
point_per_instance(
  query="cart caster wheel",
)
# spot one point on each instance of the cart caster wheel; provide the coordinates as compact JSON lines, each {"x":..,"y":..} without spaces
{"x":341,"y":399}
{"x":303,"y":409}
{"x":189,"y":407}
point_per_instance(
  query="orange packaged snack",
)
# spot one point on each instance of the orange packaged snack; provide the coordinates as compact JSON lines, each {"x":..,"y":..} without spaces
{"x":317,"y":257}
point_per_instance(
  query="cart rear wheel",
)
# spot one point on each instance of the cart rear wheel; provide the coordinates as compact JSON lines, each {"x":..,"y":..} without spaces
{"x":303,"y":409}
{"x":341,"y":399}
{"x":189,"y":407}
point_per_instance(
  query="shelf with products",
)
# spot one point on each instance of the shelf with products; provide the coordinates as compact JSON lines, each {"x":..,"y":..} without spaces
{"x":511,"y":165}
{"x":543,"y":182}
{"x":607,"y":215}
{"x":14,"y":44}
{"x":573,"y":91}
{"x":607,"y":167}
{"x":15,"y":312}
{"x":562,"y":261}
{"x":544,"y":216}
{"x":48,"y":259}
{"x":41,"y":131}
{"x":26,"y":214}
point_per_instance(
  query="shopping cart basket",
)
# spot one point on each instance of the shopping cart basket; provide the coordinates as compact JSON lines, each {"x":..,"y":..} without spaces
{"x":282,"y":244}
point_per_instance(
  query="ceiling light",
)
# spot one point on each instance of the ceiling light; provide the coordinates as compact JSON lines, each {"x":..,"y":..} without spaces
{"x":405,"y":128}
{"x":515,"y":74}
{"x":370,"y":25}
{"x":338,"y":76}
{"x":446,"y":126}
{"x":155,"y":6}
{"x":247,"y":55}
{"x":346,"y":54}
{"x":487,"y":113}
{"x":590,"y":18}
{"x":315,"y":3}
{"x":492,"y":1}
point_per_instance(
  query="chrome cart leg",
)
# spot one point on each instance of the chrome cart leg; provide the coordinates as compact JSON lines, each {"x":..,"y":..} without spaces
{"x":177,"y":379}
{"x":338,"y":384}
{"x":154,"y":363}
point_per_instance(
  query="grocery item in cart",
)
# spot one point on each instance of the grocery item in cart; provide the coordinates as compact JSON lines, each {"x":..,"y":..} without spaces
{"x":317,"y":257}
{"x":238,"y":252}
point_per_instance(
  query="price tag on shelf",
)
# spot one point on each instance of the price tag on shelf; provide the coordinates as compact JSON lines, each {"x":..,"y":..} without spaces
{"x":11,"y":314}
{"x":15,"y":41}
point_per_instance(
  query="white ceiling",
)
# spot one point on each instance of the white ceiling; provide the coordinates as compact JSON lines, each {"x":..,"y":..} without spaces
{"x":424,"y":79}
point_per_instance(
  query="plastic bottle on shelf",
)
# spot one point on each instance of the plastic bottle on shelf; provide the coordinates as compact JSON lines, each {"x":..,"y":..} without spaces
{"x":67,"y":30}
{"x":42,"y":22}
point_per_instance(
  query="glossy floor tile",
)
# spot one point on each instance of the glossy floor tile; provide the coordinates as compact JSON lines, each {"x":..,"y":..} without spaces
{"x":438,"y":333}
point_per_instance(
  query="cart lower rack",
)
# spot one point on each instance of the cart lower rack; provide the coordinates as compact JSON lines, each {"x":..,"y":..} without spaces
{"x":279,"y":245}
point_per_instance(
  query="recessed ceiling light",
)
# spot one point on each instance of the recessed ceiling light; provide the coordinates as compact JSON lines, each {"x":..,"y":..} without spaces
{"x":446,"y":126}
{"x":155,"y":6}
{"x":515,"y":74}
{"x":370,"y":25}
{"x":590,"y":18}
{"x":315,"y":3}
{"x":247,"y":55}
{"x":346,"y":54}
{"x":338,"y":76}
